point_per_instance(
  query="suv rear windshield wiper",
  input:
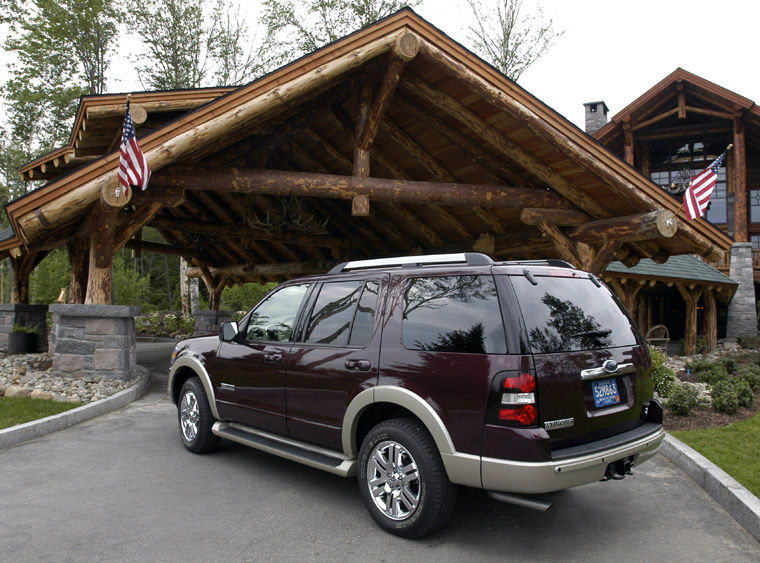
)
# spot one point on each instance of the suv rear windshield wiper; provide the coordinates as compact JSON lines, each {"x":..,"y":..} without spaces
{"x":596,"y":333}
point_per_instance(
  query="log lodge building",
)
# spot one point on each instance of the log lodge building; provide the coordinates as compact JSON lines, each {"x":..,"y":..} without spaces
{"x":392,"y":140}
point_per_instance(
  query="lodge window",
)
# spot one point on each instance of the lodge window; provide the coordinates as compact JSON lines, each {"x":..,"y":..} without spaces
{"x":674,"y":163}
{"x":754,"y":206}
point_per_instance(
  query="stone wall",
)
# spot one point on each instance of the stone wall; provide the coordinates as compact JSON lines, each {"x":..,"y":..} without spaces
{"x":742,"y":312}
{"x":207,"y":322}
{"x":23,"y":314}
{"x":94,"y":340}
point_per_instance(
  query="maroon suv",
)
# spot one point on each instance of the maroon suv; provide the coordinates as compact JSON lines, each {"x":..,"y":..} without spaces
{"x":422,"y":373}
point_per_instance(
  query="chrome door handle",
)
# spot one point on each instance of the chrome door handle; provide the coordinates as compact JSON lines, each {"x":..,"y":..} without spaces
{"x":358,"y":365}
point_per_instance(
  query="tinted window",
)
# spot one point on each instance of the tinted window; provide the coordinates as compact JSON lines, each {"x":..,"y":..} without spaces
{"x":364,"y":320}
{"x":273,"y":318}
{"x":564,"y":314}
{"x":453,"y":314}
{"x":343,"y":310}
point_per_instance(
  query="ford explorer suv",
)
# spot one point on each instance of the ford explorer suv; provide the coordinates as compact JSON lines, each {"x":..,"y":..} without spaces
{"x":421,"y":374}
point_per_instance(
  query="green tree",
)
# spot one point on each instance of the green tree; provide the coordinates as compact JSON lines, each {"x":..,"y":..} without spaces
{"x":129,"y":287}
{"x":192,"y":43}
{"x":59,"y":51}
{"x":507,"y":37}
{"x":294,"y":29}
{"x":244,"y":296}
{"x":49,"y":277}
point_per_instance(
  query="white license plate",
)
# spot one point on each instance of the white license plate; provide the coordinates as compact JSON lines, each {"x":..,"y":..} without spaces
{"x":605,"y":392}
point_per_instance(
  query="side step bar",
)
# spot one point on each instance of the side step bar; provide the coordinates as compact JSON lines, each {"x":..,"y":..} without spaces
{"x":308,"y":454}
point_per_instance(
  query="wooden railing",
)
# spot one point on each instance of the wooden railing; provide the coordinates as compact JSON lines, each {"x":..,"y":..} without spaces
{"x":723,"y":265}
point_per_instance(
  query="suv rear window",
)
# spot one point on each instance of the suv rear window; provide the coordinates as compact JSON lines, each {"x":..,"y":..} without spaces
{"x":568,"y":314}
{"x":453,"y":314}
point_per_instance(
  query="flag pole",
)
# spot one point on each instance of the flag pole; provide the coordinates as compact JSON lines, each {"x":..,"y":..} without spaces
{"x":680,"y":207}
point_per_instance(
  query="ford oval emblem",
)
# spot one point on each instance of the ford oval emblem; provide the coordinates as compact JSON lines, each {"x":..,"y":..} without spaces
{"x":610,"y":366}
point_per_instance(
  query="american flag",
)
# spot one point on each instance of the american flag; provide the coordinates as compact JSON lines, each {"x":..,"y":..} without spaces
{"x":697,"y":195}
{"x":133,"y":167}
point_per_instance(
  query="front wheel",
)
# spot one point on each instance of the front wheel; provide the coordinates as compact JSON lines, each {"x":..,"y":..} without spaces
{"x":402,"y":479}
{"x":195,"y":418}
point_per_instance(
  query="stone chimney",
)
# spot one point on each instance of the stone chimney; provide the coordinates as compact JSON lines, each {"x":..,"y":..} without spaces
{"x":596,"y":116}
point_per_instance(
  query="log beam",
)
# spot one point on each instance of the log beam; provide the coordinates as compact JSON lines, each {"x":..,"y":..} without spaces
{"x":251,"y":272}
{"x":560,"y":217}
{"x":22,"y":269}
{"x":273,"y":182}
{"x":645,"y":226}
{"x":134,"y":224}
{"x":711,"y":319}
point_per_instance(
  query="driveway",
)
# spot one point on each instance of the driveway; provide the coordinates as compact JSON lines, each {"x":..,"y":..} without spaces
{"x":121,"y":487}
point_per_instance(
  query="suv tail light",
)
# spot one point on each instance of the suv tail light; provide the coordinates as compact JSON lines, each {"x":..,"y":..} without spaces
{"x":513,"y":402}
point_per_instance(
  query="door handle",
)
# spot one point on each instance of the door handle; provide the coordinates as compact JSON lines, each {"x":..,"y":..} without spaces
{"x":272,"y":358}
{"x":358,"y":365}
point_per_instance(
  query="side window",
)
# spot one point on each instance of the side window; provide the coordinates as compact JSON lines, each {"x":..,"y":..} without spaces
{"x":453,"y":314}
{"x":273,"y":318}
{"x":343,"y":314}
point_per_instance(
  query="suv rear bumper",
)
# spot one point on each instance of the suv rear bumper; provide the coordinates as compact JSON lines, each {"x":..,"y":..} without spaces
{"x":536,"y":478}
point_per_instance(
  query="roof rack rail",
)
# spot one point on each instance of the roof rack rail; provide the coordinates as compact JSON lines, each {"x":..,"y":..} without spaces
{"x":548,"y":262}
{"x":468,"y":258}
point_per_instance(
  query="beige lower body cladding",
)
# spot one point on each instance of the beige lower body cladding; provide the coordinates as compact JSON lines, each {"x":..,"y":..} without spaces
{"x":94,"y":340}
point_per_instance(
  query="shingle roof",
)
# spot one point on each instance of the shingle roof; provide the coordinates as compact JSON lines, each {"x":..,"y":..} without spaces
{"x":683,"y":267}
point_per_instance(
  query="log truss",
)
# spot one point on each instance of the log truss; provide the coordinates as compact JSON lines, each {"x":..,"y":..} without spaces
{"x":401,"y":144}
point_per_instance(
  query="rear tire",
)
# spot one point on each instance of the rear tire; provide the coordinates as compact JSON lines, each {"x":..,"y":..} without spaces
{"x":195,"y":418}
{"x":402,"y":480}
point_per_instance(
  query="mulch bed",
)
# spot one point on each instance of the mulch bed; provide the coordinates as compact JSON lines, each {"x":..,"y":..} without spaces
{"x":707,"y":418}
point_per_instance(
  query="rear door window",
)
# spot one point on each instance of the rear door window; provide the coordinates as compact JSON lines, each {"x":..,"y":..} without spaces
{"x":453,"y":314}
{"x":564,"y":313}
{"x":343,"y":314}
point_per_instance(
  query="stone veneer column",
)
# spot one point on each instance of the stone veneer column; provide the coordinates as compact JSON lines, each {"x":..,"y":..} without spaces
{"x":210,"y":321}
{"x":742,"y":312}
{"x":23,"y":314}
{"x":94,"y":340}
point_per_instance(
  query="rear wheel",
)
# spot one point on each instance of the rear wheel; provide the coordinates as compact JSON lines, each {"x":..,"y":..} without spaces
{"x":402,"y":479}
{"x":195,"y":418}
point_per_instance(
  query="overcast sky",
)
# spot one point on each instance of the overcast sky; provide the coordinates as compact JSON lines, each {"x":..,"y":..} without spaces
{"x":611,"y":50}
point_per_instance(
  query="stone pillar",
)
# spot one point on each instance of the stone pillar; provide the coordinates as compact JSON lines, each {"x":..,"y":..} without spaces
{"x":23,"y":314}
{"x":742,"y":314}
{"x":596,"y":116}
{"x":94,"y":340}
{"x":210,"y":321}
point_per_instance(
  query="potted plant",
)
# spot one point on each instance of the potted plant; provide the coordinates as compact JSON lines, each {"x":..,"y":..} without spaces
{"x":23,"y":339}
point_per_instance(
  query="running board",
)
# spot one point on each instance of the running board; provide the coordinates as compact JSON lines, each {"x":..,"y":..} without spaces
{"x":534,"y":503}
{"x":307,"y":454}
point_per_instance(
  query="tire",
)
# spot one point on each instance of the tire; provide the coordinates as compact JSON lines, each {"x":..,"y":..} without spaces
{"x":402,"y":480}
{"x":195,"y":418}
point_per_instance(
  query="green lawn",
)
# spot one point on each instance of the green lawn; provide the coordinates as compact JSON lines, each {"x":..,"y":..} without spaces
{"x":734,"y":448}
{"x":16,"y":410}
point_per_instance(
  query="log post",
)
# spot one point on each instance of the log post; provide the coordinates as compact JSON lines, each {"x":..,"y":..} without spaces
{"x":100,"y":276}
{"x":627,"y":290}
{"x":740,"y":180}
{"x":214,"y":286}
{"x":691,"y":297}
{"x":711,"y":319}
{"x":628,"y":134}
{"x":22,"y":269}
{"x":79,"y":255}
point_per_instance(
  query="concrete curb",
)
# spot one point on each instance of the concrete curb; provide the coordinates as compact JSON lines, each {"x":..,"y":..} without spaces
{"x":724,"y":489}
{"x":36,"y":428}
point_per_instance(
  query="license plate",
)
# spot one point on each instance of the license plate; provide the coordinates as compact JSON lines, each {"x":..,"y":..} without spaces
{"x":605,"y":392}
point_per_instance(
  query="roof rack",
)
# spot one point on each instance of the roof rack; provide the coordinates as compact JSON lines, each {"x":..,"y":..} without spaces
{"x":468,"y":258}
{"x":549,"y":262}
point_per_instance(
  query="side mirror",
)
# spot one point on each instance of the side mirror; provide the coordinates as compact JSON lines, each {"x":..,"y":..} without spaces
{"x":228,"y":331}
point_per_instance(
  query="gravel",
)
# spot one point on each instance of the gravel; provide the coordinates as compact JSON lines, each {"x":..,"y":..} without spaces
{"x":31,"y":375}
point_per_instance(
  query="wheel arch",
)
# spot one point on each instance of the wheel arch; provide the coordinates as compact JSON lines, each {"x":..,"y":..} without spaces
{"x":392,"y":401}
{"x":183,"y":369}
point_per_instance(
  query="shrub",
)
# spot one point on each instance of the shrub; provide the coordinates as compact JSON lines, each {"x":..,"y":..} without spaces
{"x":729,"y":364}
{"x":730,"y":394}
{"x":664,"y":379}
{"x":701,"y":345}
{"x":751,"y":374}
{"x":171,"y":323}
{"x":713,"y":374}
{"x":749,"y":342}
{"x":683,"y":399}
{"x":695,"y":366}
{"x":187,"y":325}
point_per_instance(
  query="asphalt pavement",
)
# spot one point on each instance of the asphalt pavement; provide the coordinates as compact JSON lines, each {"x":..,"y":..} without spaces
{"x":122,"y":487}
